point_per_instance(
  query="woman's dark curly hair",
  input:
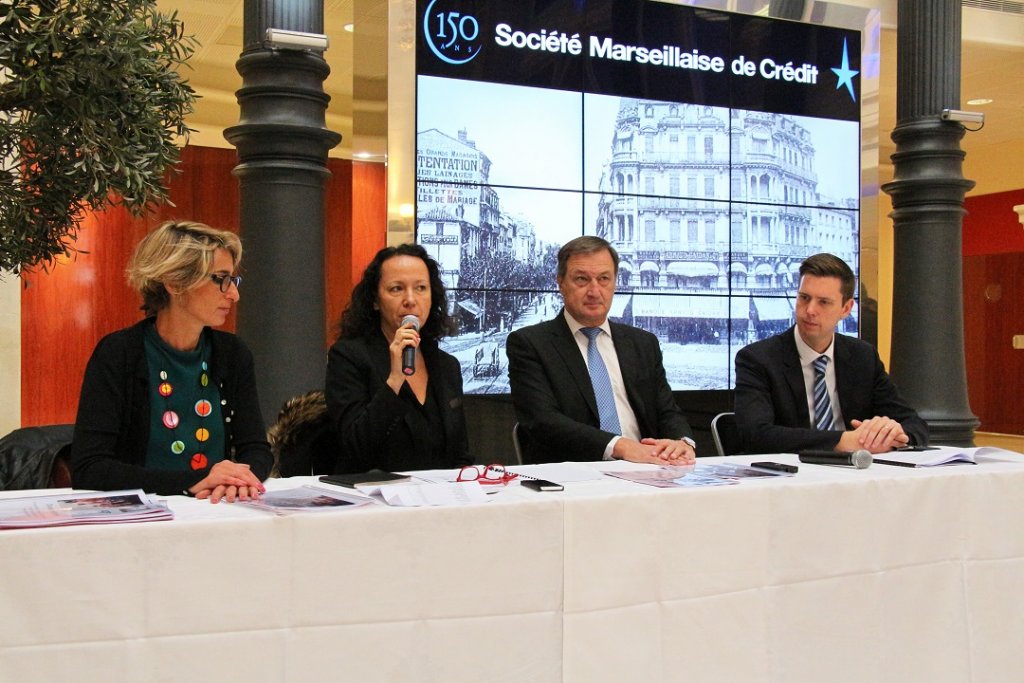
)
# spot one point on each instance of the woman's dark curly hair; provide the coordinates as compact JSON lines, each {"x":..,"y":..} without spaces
{"x":361,"y":319}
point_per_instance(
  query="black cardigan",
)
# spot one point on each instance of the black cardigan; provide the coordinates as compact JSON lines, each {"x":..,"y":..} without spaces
{"x":112,"y":428}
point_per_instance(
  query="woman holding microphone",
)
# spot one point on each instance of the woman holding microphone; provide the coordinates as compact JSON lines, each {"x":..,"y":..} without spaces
{"x":394,"y":398}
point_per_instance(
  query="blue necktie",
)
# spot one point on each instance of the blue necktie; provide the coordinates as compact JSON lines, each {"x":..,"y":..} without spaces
{"x":602,"y":383}
{"x":822,"y":404}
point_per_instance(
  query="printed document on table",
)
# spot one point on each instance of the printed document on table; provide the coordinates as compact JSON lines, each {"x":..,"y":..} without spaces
{"x":558,"y":472}
{"x":418,"y":495}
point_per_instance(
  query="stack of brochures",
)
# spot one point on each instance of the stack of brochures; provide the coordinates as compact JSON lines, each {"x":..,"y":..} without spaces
{"x":64,"y":509}
{"x":307,"y":499}
{"x":693,"y":476}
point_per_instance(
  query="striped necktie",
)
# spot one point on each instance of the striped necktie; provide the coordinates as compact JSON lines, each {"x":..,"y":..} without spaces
{"x":822,"y":404}
{"x":602,"y":383}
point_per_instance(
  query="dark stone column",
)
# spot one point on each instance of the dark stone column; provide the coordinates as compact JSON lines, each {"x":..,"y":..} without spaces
{"x":927,"y":192}
{"x":282,"y":144}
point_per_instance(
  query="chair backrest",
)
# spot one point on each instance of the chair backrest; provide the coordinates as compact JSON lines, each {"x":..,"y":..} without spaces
{"x":515,"y":444}
{"x":726,"y":434}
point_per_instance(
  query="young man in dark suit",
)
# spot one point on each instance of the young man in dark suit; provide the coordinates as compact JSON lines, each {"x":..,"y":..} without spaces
{"x":810,"y":388}
{"x":585,"y":388}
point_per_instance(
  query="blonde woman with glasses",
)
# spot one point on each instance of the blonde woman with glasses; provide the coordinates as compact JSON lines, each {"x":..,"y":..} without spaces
{"x":169,"y":405}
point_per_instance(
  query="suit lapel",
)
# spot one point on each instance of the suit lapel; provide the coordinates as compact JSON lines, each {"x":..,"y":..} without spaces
{"x":629,"y":362}
{"x":843,"y":368}
{"x":569,"y":351}
{"x":439,"y":388}
{"x":795,"y":375}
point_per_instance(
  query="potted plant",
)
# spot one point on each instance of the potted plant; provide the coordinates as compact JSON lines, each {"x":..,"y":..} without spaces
{"x":92,"y":108}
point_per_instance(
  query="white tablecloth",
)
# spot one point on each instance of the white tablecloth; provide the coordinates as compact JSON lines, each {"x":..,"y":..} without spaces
{"x":883,"y":574}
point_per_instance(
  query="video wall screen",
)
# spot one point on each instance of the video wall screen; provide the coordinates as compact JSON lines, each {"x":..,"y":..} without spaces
{"x":715,"y":151}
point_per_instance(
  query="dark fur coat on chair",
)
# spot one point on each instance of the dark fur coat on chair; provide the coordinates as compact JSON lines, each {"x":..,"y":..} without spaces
{"x":301,"y":438}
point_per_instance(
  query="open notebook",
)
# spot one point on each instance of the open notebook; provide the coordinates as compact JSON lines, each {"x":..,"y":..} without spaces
{"x":949,"y":455}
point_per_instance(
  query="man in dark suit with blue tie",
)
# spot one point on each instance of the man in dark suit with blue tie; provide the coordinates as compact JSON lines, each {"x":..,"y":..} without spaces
{"x":585,"y":388}
{"x":810,"y":388}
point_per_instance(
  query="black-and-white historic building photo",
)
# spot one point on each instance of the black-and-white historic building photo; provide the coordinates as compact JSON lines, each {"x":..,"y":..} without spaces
{"x":711,"y":210}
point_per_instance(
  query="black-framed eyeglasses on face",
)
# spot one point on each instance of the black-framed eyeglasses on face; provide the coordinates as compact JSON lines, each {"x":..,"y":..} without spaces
{"x":225,"y":281}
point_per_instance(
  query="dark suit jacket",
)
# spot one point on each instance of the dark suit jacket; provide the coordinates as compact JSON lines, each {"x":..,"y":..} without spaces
{"x":372,"y":422}
{"x":771,"y":399}
{"x":555,"y":402}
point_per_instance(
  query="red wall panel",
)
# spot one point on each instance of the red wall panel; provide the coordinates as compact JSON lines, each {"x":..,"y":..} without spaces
{"x":993,"y":314}
{"x":991,"y":226}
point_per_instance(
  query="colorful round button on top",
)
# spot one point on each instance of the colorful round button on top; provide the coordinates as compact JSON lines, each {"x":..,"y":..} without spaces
{"x":203,"y":407}
{"x":204,"y":379}
{"x":198,"y":461}
{"x":165,"y":389}
{"x":202,"y":434}
{"x":178,"y":447}
{"x":170,"y":419}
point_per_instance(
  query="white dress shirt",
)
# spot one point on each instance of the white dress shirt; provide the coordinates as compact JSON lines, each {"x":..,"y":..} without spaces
{"x":807,"y":358}
{"x":605,"y":345}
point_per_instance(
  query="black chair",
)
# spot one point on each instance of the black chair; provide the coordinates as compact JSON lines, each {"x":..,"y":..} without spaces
{"x":726,"y":434}
{"x":302,"y":440}
{"x":515,"y":444}
{"x":36,"y":458}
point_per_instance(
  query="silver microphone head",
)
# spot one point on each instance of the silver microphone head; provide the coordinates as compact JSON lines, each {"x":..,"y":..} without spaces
{"x":861,"y":458}
{"x":411,"y":320}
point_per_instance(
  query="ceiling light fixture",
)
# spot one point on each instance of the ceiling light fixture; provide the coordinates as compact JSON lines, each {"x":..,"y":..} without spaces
{"x":350,"y":27}
{"x":977,"y":102}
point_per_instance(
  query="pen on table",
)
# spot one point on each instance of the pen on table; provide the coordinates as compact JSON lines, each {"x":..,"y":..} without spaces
{"x":894,"y":462}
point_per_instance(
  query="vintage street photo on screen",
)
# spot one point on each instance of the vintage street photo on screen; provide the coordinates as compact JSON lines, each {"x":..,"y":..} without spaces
{"x":474,"y":132}
{"x":657,"y":149}
{"x":794,"y":160}
{"x":486,"y":237}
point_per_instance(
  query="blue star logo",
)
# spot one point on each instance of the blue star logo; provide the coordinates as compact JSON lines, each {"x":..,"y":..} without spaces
{"x":845,"y":73}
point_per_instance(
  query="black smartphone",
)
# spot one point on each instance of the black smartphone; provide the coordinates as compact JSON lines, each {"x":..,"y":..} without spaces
{"x":776,"y":467}
{"x":541,"y":485}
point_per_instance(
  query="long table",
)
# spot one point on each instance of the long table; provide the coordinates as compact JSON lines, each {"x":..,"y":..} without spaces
{"x":882,"y":574}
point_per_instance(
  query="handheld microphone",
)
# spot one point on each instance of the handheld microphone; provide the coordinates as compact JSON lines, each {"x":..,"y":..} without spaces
{"x":409,"y":352}
{"x":859,"y":459}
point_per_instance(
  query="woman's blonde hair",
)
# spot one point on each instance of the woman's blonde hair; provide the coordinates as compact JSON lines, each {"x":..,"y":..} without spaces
{"x":179,"y":253}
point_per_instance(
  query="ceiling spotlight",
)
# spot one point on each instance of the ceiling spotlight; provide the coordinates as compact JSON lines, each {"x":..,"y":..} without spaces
{"x":295,"y":40}
{"x":977,"y":102}
{"x":350,"y":27}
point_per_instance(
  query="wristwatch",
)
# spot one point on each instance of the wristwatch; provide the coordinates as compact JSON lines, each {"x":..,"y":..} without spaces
{"x":693,"y":444}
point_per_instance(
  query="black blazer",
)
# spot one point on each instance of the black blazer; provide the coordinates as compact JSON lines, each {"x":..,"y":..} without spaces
{"x":554,"y":400}
{"x":771,"y":398}
{"x":372,"y":423}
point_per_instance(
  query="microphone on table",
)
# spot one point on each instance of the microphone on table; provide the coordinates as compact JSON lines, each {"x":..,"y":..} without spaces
{"x":859,"y":459}
{"x":409,"y":352}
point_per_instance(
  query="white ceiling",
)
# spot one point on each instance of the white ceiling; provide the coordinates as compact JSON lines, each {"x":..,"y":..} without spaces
{"x":992,"y":67}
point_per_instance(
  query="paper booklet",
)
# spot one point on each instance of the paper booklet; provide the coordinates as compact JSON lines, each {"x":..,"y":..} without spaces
{"x":65,"y":509}
{"x":948,"y":455}
{"x":307,"y":499}
{"x":692,"y":476}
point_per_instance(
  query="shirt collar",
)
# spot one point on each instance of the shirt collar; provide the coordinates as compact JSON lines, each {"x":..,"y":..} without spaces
{"x":807,"y":354}
{"x":575,"y":327}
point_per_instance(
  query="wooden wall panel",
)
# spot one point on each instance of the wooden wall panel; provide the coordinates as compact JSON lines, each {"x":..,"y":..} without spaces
{"x":66,"y":311}
{"x":337,"y":246}
{"x":356,"y":230}
{"x":993,"y":314}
